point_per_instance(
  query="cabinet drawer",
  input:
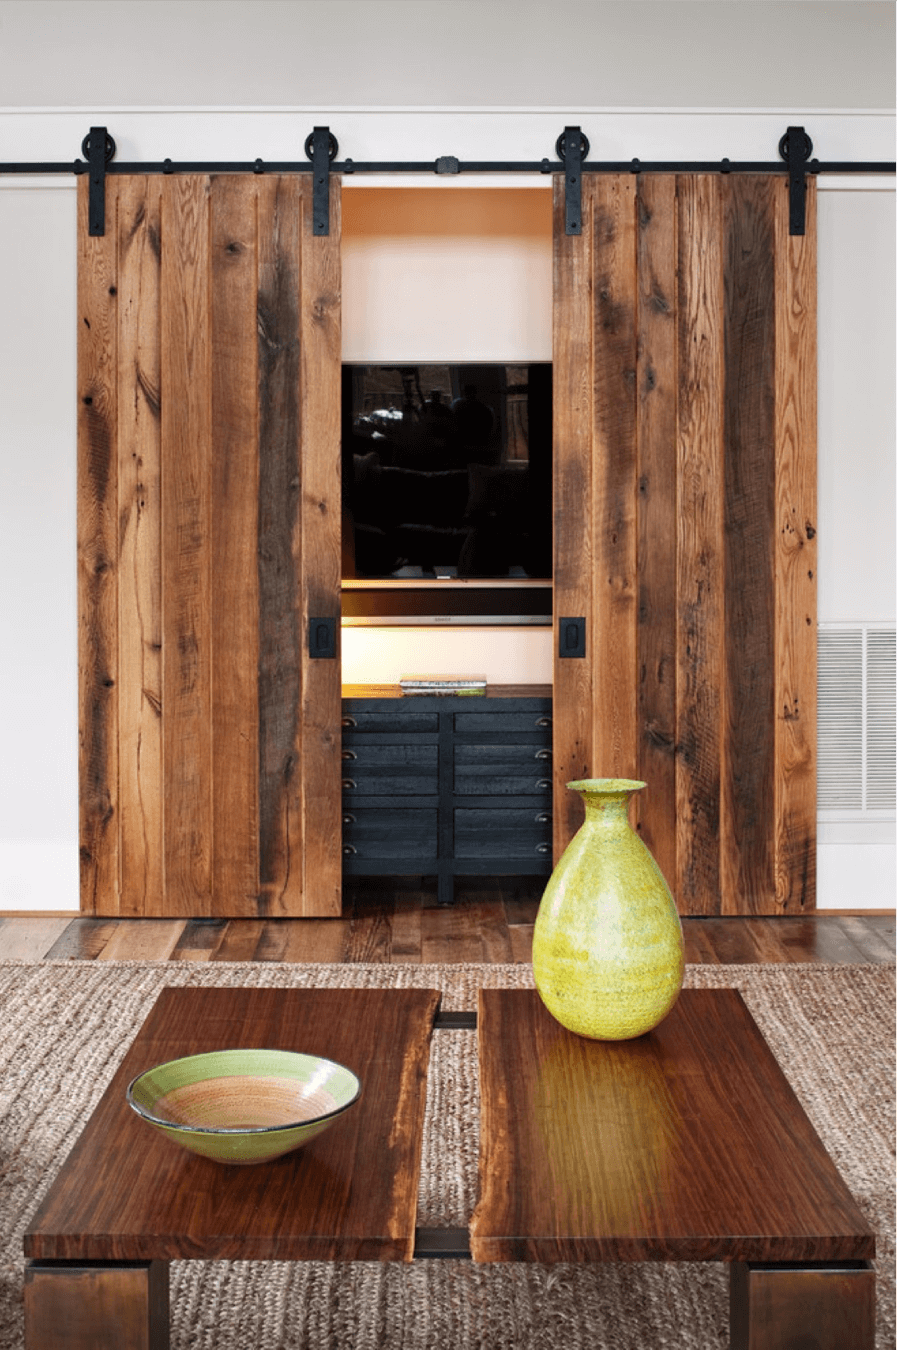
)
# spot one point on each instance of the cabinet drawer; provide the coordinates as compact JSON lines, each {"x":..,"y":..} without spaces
{"x":519,"y":832}
{"x":504,"y":723}
{"x":503,"y":770}
{"x":390,"y":833}
{"x":389,"y":720}
{"x":384,"y":770}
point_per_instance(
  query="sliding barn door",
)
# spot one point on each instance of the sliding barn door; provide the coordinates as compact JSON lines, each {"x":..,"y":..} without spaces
{"x":685,"y":510}
{"x":208,"y":538}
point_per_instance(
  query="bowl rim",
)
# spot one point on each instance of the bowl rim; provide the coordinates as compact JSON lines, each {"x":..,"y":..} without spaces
{"x":224,"y":1130}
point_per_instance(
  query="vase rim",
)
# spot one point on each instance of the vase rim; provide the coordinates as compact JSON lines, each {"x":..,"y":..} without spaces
{"x":606,"y":786}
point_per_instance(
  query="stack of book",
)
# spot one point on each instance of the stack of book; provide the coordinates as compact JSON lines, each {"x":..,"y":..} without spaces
{"x":443,"y":684}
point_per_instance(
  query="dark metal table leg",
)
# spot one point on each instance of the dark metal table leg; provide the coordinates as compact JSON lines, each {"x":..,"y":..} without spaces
{"x":817,"y":1306}
{"x":84,"y":1305}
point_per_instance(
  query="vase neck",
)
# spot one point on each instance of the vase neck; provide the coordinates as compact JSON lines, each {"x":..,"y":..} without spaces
{"x":607,"y":808}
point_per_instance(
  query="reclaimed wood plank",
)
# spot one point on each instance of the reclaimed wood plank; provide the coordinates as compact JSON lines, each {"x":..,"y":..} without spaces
{"x":97,"y":546}
{"x":749,"y":469}
{"x":30,"y":939}
{"x":279,"y":525}
{"x":795,"y":561}
{"x":148,"y":940}
{"x":655,"y":808}
{"x":614,"y":477}
{"x":85,"y":938}
{"x":405,"y":946}
{"x":239,"y":941}
{"x":572,"y":366}
{"x":305,"y":940}
{"x":700,"y":545}
{"x":140,"y":531}
{"x":127,"y":1193}
{"x":186,"y":548}
{"x":874,"y":940}
{"x":233,"y":247}
{"x":199,"y":940}
{"x":319,"y":864}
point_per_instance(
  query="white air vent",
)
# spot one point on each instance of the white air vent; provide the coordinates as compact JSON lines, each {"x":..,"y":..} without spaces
{"x":856,"y":753}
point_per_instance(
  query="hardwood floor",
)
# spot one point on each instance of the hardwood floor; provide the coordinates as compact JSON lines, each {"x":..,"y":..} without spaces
{"x":394,"y":920}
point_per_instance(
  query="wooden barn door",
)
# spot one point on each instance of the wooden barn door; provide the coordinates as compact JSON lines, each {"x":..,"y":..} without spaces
{"x":208,"y":538}
{"x":685,"y":510}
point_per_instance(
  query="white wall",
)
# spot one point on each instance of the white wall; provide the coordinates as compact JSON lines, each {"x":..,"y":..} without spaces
{"x":680,"y":77}
{"x":669,"y":53}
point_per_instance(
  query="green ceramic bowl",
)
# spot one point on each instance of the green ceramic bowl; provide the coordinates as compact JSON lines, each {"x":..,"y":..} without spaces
{"x":243,"y":1106}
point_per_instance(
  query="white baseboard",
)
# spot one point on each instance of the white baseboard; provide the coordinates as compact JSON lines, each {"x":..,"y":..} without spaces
{"x":856,"y":876}
{"x":39,"y":875}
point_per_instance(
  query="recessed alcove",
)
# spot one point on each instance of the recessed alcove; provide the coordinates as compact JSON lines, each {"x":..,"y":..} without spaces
{"x":437,"y":277}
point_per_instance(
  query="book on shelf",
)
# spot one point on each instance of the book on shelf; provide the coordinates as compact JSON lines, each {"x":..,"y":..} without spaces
{"x":443,"y":684}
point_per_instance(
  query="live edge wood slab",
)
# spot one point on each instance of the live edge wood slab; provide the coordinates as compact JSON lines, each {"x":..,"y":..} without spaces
{"x":127,"y":1193}
{"x":687,"y":1144}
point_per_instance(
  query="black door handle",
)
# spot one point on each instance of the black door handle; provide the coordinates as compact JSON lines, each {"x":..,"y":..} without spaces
{"x":322,"y":638}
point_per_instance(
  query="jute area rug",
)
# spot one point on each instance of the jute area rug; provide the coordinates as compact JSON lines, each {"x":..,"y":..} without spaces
{"x":66,"y":1025}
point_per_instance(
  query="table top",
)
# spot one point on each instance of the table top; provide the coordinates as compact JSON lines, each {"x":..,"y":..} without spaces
{"x":128,"y":1193}
{"x":685,"y":1144}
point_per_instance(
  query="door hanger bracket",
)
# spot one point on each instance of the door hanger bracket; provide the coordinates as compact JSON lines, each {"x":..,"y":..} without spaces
{"x":795,"y":147}
{"x":572,"y":148}
{"x":98,"y":147}
{"x":321,"y":148}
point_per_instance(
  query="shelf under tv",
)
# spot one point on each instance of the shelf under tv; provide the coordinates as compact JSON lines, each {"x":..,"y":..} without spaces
{"x":452,"y":600}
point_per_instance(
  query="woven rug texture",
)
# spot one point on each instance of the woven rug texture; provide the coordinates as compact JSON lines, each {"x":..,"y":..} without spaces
{"x":66,"y":1026}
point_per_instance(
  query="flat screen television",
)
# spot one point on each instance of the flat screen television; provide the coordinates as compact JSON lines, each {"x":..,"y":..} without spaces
{"x":446,"y":476}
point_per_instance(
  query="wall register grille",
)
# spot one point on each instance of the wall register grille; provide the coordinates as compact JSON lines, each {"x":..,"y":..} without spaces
{"x":857,"y":763}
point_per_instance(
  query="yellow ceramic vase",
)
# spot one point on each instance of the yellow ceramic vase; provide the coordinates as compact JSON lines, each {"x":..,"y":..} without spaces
{"x":608,"y":956}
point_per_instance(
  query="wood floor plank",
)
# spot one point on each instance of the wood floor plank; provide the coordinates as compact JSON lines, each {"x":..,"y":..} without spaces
{"x":84,"y":939}
{"x":143,"y":940}
{"x":406,"y":930}
{"x":870,"y":937}
{"x":199,"y":940}
{"x":818,"y":941}
{"x":449,"y":934}
{"x":370,"y":937}
{"x":767,"y":941}
{"x":240,"y":940}
{"x":29,"y":939}
{"x":731,"y":944}
{"x":521,"y":939}
{"x":699,"y":950}
{"x":315,"y":940}
{"x":406,"y":925}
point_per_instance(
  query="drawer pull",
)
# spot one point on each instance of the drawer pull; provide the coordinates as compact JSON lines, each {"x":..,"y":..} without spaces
{"x":349,"y":849}
{"x":349,"y":754}
{"x":540,"y":722}
{"x":349,"y":783}
{"x":543,"y":848}
{"x":349,"y":722}
{"x":543,"y":818}
{"x":543,"y":754}
{"x":349,"y":819}
{"x":542,"y":784}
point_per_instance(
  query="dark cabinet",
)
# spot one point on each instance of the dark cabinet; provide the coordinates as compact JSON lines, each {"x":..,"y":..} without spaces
{"x":450,"y":785}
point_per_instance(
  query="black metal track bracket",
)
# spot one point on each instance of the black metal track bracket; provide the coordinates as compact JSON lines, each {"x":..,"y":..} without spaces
{"x":572,"y":148}
{"x":795,"y":147}
{"x":98,"y":147}
{"x":321,"y":149}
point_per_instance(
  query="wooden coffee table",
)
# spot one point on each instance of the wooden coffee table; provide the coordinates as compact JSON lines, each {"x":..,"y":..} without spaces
{"x":127,"y":1201}
{"x":685,"y":1145}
